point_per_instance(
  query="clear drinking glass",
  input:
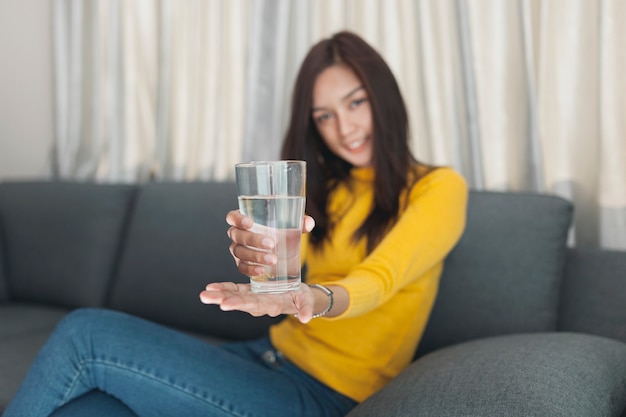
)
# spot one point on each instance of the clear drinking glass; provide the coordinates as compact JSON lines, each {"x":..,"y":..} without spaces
{"x":272,"y":194}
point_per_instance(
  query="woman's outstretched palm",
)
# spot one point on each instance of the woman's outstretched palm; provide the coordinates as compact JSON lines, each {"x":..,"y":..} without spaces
{"x":230,"y":296}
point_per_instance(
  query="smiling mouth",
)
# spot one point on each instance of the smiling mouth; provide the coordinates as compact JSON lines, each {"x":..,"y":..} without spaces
{"x":356,"y":144}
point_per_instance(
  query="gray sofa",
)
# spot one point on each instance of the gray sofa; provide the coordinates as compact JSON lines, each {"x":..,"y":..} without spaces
{"x":523,"y":325}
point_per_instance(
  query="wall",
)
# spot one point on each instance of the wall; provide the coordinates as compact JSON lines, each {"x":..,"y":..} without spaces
{"x":26,"y":119}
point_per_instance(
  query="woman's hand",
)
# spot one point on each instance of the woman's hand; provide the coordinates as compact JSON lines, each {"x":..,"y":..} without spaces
{"x":230,"y":296}
{"x":252,"y":250}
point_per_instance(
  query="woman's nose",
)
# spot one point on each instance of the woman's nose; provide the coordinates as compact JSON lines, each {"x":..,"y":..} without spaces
{"x":345,"y":125}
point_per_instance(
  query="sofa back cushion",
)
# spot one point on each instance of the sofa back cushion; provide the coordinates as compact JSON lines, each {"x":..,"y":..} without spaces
{"x":593,"y":297}
{"x":62,"y":239}
{"x":176,"y":244}
{"x":505,"y":273}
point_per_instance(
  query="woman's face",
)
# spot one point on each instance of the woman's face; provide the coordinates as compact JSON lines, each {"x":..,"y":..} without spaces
{"x":342,"y":114}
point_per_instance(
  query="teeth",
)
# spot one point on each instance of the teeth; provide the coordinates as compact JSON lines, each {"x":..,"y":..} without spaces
{"x":356,"y":144}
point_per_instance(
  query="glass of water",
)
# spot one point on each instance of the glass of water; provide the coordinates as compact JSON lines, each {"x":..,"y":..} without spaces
{"x":272,"y":194}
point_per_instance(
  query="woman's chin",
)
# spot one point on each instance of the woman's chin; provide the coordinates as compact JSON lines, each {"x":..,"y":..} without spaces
{"x":359,"y":159}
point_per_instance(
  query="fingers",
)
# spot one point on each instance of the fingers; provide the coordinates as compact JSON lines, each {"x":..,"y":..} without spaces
{"x":250,"y":239}
{"x":227,"y":286}
{"x":230,"y":296}
{"x":249,"y":249}
{"x":249,"y":261}
{"x":236,"y":219}
{"x":216,"y":292}
{"x":240,"y":234}
{"x":253,"y":250}
{"x":249,"y":255}
{"x":308,"y":224}
{"x":250,"y":269}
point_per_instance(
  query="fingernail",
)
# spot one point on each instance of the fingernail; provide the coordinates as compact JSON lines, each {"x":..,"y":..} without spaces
{"x":270,"y":258}
{"x":267,"y":243}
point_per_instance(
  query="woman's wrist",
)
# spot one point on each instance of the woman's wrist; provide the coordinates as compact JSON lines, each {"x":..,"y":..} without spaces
{"x":328,"y":297}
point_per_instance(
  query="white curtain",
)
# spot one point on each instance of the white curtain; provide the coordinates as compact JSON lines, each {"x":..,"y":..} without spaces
{"x":149,"y":88}
{"x":524,"y":95}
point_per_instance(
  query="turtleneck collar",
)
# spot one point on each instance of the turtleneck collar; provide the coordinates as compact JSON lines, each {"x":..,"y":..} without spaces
{"x":364,"y":174}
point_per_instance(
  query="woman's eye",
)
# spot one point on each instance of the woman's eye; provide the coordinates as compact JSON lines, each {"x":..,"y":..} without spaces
{"x":322,"y":117}
{"x":357,"y":102}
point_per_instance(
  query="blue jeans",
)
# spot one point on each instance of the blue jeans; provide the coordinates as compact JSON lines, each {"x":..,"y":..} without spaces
{"x":156,"y":371}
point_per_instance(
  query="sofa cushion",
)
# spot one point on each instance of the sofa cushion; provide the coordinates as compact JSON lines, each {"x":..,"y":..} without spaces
{"x":504,"y":275}
{"x":61,"y":236}
{"x":176,"y":244}
{"x":23,"y":330}
{"x":543,"y":375}
{"x":593,"y":297}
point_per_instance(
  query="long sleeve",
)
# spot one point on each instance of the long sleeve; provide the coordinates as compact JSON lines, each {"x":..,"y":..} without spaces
{"x":392,"y":290}
{"x":422,"y":237}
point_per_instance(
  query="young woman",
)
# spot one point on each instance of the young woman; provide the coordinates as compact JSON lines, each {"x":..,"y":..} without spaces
{"x":383,"y":224}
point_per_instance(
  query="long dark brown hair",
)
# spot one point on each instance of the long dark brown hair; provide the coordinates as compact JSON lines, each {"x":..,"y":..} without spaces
{"x":391,"y":157}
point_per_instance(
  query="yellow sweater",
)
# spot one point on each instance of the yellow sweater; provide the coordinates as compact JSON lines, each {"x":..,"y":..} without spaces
{"x":391,"y":291}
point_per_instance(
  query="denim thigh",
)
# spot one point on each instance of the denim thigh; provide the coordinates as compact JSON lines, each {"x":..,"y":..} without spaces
{"x":157,"y":371}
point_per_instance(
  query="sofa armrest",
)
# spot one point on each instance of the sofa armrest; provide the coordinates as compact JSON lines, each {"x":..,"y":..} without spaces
{"x":4,"y":295}
{"x":593,"y":295}
{"x":539,"y":374}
